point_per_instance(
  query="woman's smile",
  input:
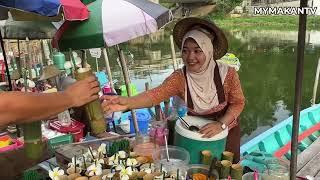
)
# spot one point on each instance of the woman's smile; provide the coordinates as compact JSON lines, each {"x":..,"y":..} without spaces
{"x":192,"y":55}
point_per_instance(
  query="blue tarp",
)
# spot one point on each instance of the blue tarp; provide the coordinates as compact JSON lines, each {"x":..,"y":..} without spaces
{"x":43,"y":7}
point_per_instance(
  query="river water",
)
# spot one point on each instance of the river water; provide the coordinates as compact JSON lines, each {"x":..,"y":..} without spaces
{"x":267,"y":72}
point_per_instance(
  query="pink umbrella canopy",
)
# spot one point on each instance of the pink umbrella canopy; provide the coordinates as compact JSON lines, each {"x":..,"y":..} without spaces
{"x":29,"y":10}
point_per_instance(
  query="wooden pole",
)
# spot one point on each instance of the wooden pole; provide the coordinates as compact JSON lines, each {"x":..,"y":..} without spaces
{"x":97,"y":65}
{"x":19,"y":65}
{"x":108,"y":69}
{"x":5,"y":62}
{"x":127,"y":82}
{"x":173,"y":53}
{"x":29,"y":66}
{"x":315,"y":86}
{"x":298,"y":90}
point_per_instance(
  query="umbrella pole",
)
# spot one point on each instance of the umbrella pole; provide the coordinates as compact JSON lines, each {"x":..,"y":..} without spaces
{"x":19,"y":55}
{"x":83,"y":59}
{"x":106,"y":59}
{"x":173,"y":53}
{"x":298,"y":85}
{"x":127,"y":82}
{"x":315,"y":85}
{"x":5,"y":61}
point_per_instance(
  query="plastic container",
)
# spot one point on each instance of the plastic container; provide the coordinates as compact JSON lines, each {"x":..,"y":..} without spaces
{"x":106,"y":89}
{"x":58,"y":60}
{"x":144,"y":146}
{"x":178,"y":159}
{"x":75,"y":128}
{"x":262,"y":176}
{"x":193,"y":141}
{"x":64,"y":118}
{"x":143,"y":118}
{"x":157,"y":131}
{"x":15,"y":143}
{"x":102,"y":78}
{"x":60,"y":140}
{"x":5,"y":141}
{"x":133,"y":89}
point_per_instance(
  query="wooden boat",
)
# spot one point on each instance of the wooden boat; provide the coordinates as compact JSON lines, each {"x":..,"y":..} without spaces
{"x":277,"y":140}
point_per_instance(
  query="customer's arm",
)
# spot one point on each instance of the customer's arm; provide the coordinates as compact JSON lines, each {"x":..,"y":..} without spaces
{"x":20,"y":107}
{"x":170,"y":87}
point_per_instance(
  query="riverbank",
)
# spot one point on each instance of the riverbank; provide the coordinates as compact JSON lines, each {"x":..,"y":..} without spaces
{"x":265,"y":22}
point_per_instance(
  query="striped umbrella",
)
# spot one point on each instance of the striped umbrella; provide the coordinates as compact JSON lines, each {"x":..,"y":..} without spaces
{"x":112,"y":22}
{"x":33,"y":10}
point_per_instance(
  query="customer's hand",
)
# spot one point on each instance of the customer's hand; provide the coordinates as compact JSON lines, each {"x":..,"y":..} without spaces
{"x":114,"y":103}
{"x":211,"y":129}
{"x":84,"y":91}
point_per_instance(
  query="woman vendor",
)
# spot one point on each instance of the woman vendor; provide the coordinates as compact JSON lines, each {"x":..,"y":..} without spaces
{"x":209,"y":88}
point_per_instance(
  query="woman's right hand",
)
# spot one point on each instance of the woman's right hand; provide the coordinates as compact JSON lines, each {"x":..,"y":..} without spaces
{"x":112,"y":104}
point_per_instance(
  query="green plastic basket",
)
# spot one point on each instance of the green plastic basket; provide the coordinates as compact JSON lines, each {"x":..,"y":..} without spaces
{"x":60,"y":140}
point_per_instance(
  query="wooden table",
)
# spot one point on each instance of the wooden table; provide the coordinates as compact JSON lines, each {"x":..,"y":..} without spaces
{"x":309,"y":161}
{"x":14,"y":163}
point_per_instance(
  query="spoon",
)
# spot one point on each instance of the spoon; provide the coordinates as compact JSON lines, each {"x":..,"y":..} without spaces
{"x":167,"y":150}
{"x":190,"y":127}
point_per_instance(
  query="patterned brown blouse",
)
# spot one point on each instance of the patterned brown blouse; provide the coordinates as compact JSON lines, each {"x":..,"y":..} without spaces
{"x":174,"y":85}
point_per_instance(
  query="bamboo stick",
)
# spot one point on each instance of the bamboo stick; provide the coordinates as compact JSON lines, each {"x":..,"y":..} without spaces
{"x":127,"y":82}
{"x":158,"y":112}
{"x":147,"y":87}
{"x":206,"y":157}
{"x":225,"y":169}
{"x":236,"y":171}
{"x":166,"y":107}
{"x":19,"y":65}
{"x":227,"y":155}
{"x":103,"y":139}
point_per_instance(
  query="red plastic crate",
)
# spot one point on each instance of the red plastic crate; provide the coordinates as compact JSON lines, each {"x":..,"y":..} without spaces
{"x":75,"y":128}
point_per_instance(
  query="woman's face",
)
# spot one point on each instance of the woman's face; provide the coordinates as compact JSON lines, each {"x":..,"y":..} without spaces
{"x":192,"y":55}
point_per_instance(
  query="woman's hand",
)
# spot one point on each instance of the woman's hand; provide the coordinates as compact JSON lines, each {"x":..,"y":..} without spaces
{"x":114,"y":103}
{"x":211,"y":129}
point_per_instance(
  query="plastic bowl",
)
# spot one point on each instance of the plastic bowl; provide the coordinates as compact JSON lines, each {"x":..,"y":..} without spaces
{"x":176,"y":154}
{"x":178,"y":159}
